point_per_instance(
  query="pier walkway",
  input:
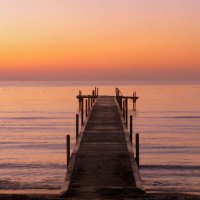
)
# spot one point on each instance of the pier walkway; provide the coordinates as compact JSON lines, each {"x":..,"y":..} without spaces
{"x":102,"y":164}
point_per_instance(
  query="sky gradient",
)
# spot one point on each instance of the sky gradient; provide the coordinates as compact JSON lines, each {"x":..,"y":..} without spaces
{"x":99,"y":40}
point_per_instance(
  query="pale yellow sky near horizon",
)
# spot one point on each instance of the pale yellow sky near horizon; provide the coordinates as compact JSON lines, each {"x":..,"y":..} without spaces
{"x":149,"y":39}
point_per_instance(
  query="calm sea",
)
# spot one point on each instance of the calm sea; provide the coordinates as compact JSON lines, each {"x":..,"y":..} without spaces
{"x":36,"y":116}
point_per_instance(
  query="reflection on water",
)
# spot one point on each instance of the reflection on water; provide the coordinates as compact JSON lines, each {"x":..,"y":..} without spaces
{"x":34,"y":119}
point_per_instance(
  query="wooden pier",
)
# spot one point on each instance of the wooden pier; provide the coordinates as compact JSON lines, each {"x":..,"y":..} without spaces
{"x":102,"y":164}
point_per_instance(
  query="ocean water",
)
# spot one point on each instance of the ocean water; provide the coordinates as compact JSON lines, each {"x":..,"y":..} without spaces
{"x":36,"y":116}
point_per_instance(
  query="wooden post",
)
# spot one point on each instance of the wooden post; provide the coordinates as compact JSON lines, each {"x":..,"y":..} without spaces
{"x":86,"y":108}
{"x":120,"y":103}
{"x":126,"y":112}
{"x":93,"y":97}
{"x":134,"y":101}
{"x":91,"y":101}
{"x":117,"y":92}
{"x":82,"y":111}
{"x":88,"y":105}
{"x":79,"y":99}
{"x":131,"y":128}
{"x":135,"y":105}
{"x":97,"y":91}
{"x":68,"y":148}
{"x":137,"y":139}
{"x":123,"y":109}
{"x":77,"y":125}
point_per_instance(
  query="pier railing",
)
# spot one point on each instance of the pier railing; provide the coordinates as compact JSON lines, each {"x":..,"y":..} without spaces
{"x":86,"y":103}
{"x":87,"y":120}
{"x":123,"y":104}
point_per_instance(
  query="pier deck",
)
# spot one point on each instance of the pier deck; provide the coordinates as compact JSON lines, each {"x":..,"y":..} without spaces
{"x":102,"y":164}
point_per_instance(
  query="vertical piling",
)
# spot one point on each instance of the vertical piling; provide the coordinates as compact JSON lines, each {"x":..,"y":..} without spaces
{"x":86,"y":108}
{"x":123,"y":111}
{"x":82,"y":111}
{"x":88,"y":105}
{"x":97,"y":91}
{"x":79,"y":99}
{"x":91,"y":102}
{"x":131,"y":128}
{"x":134,"y":101}
{"x":92,"y":96}
{"x":68,"y":148}
{"x":121,"y":102}
{"x":137,"y":140}
{"x":77,"y":125}
{"x":126,"y":112}
{"x":122,"y":107}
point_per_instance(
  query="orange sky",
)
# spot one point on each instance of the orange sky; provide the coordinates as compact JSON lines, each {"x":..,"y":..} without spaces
{"x":58,"y":39}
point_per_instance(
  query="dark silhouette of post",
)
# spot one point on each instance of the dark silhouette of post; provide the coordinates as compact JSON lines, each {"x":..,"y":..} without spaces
{"x":91,"y":102}
{"x":126,"y":112}
{"x":88,"y":105}
{"x":86,"y":108}
{"x":82,"y":111}
{"x":97,"y":91}
{"x":77,"y":125}
{"x":134,"y":101}
{"x":123,"y":109}
{"x":93,"y":97}
{"x":80,"y":93}
{"x":68,"y":148}
{"x":121,"y":102}
{"x":131,"y":128}
{"x":137,"y":139}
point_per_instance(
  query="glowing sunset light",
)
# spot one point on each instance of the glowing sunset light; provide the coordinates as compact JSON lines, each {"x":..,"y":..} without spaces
{"x":62,"y":36}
